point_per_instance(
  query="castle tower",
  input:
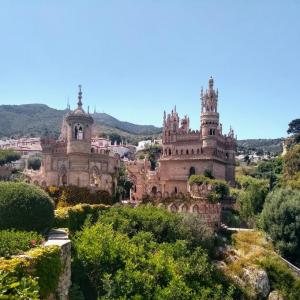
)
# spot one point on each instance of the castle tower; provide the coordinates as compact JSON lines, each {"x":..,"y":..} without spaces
{"x":79,"y":129}
{"x":209,"y":111}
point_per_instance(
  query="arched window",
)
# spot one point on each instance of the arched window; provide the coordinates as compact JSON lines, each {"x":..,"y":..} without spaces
{"x":192,"y":151}
{"x":170,"y":152}
{"x":175,"y":190}
{"x":198,"y":151}
{"x":176,"y":152}
{"x":154,"y":190}
{"x":64,"y":180}
{"x":187,"y":152}
{"x":181,"y":152}
{"x":195,"y":209}
{"x":192,"y":171}
{"x":78,"y":132}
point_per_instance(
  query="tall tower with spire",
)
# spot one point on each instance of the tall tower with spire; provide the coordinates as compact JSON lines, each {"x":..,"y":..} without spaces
{"x":79,"y":128}
{"x":209,"y":111}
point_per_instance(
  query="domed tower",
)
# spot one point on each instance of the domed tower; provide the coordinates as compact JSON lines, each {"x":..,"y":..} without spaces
{"x":79,"y":129}
{"x":209,"y":110}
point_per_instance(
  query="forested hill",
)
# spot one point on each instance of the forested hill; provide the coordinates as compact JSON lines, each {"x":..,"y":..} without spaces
{"x":265,"y":145}
{"x":36,"y":119}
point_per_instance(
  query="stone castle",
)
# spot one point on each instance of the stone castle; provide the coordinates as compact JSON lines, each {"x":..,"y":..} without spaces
{"x":186,"y":152}
{"x":73,"y":160}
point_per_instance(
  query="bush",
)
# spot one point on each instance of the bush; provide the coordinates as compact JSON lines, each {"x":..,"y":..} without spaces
{"x":15,"y":242}
{"x":8,"y":156}
{"x":74,"y":217}
{"x":34,"y":163}
{"x":72,"y":195}
{"x":165,"y":226}
{"x":25,"y":207}
{"x":220,"y":188}
{"x":140,"y":268}
{"x":280,"y":219}
{"x":12,"y":287}
{"x":281,"y":278}
{"x":41,"y":263}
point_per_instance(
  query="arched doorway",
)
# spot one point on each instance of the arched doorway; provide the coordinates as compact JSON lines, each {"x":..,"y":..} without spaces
{"x":192,"y":171}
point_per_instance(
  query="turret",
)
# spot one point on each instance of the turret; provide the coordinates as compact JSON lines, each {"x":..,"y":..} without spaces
{"x":79,"y":129}
{"x":209,"y":111}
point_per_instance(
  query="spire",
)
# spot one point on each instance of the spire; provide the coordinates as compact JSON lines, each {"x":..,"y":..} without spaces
{"x":95,"y":109}
{"x":79,"y":103}
{"x":68,"y":104}
{"x":211,"y":83}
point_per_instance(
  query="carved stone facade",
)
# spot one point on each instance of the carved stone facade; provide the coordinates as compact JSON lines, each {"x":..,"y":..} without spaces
{"x":187,"y":152}
{"x":72,"y":160}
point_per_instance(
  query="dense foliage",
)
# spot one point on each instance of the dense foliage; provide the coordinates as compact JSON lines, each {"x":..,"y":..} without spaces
{"x":74,"y":217}
{"x":280,"y":219}
{"x":16,"y":242}
{"x":72,"y":195}
{"x":281,"y":278}
{"x":124,"y":184}
{"x":24,"y":288}
{"x":147,"y":253}
{"x":220,"y":189}
{"x":34,"y":162}
{"x":25,"y":207}
{"x":44,"y":265}
{"x":291,"y":170}
{"x":8,"y":156}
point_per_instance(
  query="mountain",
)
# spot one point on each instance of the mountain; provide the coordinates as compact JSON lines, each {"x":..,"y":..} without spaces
{"x":38,"y":119}
{"x":265,"y":145}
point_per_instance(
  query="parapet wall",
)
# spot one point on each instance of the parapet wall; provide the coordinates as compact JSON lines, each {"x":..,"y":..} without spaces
{"x":59,"y":237}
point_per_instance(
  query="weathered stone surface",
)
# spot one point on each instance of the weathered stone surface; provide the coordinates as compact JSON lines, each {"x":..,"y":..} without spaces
{"x":275,"y":295}
{"x":60,"y":238}
{"x":258,"y":280}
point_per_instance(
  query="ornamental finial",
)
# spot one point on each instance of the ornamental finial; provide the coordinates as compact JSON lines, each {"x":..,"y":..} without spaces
{"x":79,"y":103}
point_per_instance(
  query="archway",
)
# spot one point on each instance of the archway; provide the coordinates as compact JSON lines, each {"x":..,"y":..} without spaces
{"x":192,"y":171}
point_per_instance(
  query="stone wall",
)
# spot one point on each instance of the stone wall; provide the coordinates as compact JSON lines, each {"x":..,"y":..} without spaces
{"x":60,"y":238}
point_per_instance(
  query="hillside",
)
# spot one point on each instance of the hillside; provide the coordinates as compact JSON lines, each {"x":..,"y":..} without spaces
{"x":38,"y":119}
{"x":266,"y":145}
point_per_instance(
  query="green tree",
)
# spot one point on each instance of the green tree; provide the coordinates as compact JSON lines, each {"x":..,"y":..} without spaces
{"x":34,"y":163}
{"x":280,"y":219}
{"x":8,"y":156}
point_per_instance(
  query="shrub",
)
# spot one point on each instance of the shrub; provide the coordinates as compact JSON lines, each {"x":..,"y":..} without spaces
{"x":72,"y":195}
{"x":140,"y":268}
{"x":34,"y":162}
{"x":15,"y":242}
{"x":281,"y":278}
{"x":220,"y":188}
{"x":8,"y":156}
{"x":12,"y":287}
{"x":165,"y":226}
{"x":280,"y":219}
{"x":74,"y":217}
{"x":41,"y":263}
{"x":25,"y":207}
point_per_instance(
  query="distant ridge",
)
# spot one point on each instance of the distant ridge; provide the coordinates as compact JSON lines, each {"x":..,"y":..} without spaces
{"x":36,"y":119}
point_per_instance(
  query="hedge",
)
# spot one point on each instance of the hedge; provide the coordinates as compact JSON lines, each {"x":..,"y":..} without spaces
{"x":74,"y":217}
{"x":72,"y":195}
{"x":220,"y":188}
{"x":25,"y":207}
{"x":16,"y":242}
{"x":43,"y":263}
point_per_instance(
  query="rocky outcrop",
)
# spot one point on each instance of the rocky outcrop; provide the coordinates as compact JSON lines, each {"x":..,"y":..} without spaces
{"x":258,"y":281}
{"x":275,"y":295}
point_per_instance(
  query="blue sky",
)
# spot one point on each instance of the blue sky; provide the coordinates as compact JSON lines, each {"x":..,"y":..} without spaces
{"x":136,"y":58}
